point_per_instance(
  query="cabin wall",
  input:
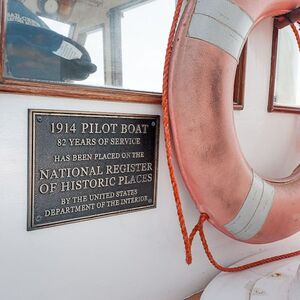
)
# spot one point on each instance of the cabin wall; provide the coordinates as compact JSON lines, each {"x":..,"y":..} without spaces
{"x":138,"y":255}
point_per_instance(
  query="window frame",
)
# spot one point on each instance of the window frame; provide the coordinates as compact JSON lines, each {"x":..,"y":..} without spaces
{"x":27,"y":87}
{"x":239,"y":82}
{"x":272,"y":106}
{"x":94,"y":29}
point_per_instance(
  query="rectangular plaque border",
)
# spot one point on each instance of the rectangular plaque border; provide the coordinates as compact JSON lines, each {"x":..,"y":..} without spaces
{"x":31,"y":163}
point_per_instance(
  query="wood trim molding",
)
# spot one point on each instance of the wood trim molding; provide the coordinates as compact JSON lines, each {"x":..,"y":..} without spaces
{"x":78,"y":92}
{"x":273,"y":69}
{"x":109,"y":94}
{"x":284,"y":109}
{"x":273,"y":107}
{"x":91,"y":93}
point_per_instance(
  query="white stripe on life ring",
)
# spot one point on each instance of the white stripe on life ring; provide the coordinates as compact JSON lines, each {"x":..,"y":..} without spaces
{"x":221,"y":23}
{"x":251,"y":217}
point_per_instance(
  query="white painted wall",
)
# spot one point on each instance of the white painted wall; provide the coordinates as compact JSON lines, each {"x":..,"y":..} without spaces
{"x":138,"y":255}
{"x":287,"y":89}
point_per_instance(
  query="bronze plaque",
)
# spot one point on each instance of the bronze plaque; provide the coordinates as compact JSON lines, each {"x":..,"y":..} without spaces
{"x":88,"y":165}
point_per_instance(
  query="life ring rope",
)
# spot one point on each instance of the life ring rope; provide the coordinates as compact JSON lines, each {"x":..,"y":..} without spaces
{"x":167,"y":132}
{"x":296,"y":33}
{"x":198,"y":228}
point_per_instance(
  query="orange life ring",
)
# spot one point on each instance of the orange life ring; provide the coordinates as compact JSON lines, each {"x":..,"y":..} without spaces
{"x":206,"y":50}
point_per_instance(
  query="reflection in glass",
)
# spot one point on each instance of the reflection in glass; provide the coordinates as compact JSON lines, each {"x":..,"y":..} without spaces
{"x":88,"y":42}
{"x":287,"y":87}
{"x":58,"y":27}
{"x":94,"y":45}
{"x":34,"y":51}
{"x":142,"y":45}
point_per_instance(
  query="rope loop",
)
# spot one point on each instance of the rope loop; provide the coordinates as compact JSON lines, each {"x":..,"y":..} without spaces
{"x":202,"y":220}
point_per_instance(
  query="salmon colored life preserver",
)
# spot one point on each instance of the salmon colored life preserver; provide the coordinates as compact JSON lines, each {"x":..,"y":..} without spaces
{"x":206,"y":50}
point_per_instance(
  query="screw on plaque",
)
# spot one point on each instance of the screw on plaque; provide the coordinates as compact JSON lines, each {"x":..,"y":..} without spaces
{"x":39,"y":119}
{"x":38,"y":218}
{"x":149,"y":200}
{"x":153,"y":124}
